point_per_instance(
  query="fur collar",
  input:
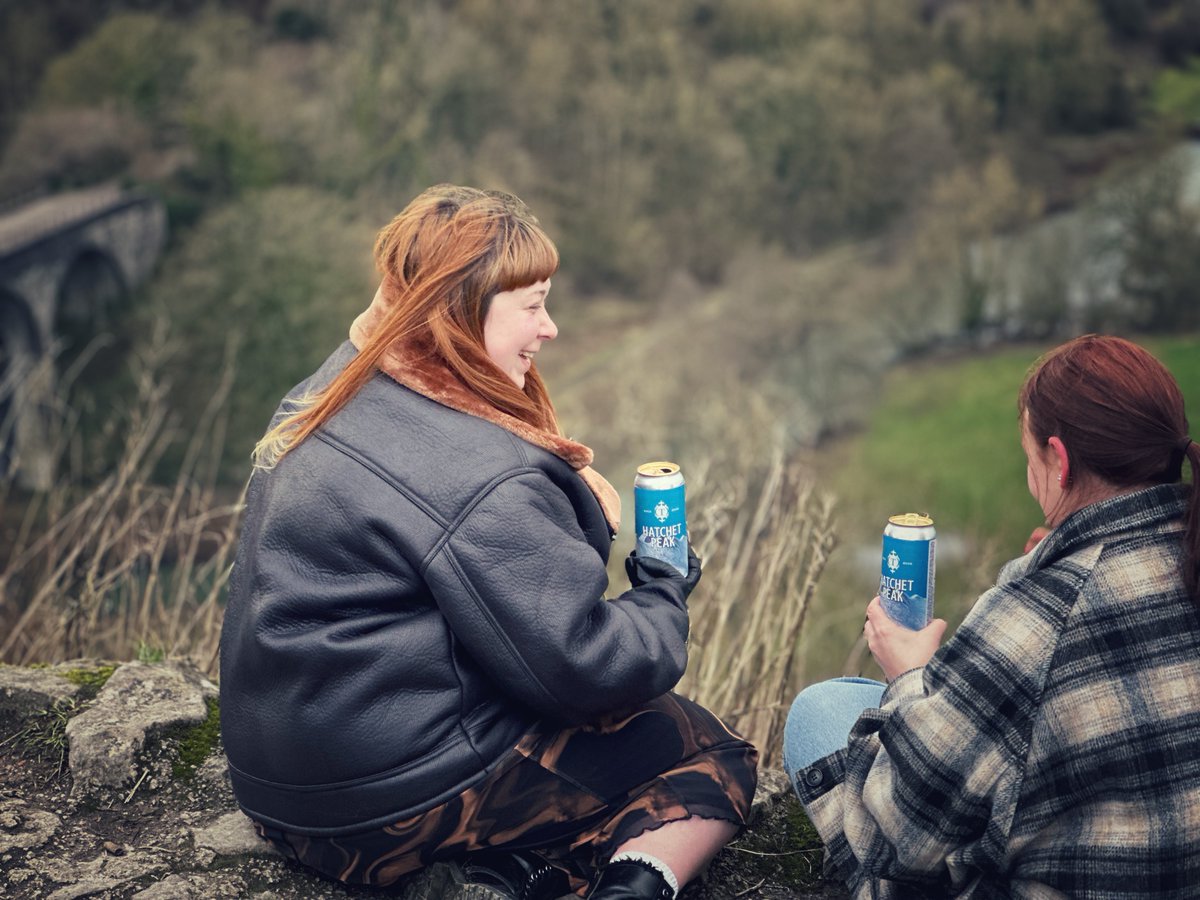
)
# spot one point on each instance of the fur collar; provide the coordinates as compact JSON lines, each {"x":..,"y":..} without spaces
{"x":419,"y":370}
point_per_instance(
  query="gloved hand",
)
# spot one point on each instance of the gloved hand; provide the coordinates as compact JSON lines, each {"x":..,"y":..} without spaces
{"x":641,"y":569}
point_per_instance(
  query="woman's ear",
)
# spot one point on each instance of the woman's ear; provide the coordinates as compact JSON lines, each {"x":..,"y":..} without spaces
{"x":1064,"y":462}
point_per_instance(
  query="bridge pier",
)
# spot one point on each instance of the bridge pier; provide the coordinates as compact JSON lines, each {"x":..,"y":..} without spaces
{"x":64,"y":262}
{"x":24,"y":394}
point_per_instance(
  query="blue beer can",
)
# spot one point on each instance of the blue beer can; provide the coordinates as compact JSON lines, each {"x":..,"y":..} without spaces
{"x":906,"y":575}
{"x":660,"y":514}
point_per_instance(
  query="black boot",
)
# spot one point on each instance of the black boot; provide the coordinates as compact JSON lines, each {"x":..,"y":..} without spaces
{"x":631,"y":879}
{"x":517,"y":874}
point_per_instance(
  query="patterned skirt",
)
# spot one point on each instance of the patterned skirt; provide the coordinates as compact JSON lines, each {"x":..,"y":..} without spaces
{"x":573,"y":794}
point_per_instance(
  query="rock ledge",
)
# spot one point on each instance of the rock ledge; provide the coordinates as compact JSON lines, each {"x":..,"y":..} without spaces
{"x":113,"y":785}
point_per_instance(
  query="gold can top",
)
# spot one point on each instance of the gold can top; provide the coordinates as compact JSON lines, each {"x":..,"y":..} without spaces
{"x":912,"y":520}
{"x":661,"y":467}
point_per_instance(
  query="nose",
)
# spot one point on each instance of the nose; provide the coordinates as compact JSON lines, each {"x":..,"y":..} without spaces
{"x":548,"y":331}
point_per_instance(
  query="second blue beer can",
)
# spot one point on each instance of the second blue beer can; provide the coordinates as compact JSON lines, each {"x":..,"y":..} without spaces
{"x":660,"y":513}
{"x":908,"y":568}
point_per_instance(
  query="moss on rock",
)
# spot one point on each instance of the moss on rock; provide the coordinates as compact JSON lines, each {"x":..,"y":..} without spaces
{"x":198,"y":742}
{"x":91,"y":677}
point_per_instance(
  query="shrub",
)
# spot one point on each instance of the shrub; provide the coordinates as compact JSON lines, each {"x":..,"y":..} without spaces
{"x":269,"y":283}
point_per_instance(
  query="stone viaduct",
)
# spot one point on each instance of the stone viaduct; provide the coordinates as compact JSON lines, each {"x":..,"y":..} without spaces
{"x":66,"y":261}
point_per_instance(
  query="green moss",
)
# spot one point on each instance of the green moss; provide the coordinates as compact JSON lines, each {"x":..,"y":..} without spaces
{"x":783,"y":849}
{"x":803,"y":865}
{"x":91,"y":679}
{"x":197,"y":743}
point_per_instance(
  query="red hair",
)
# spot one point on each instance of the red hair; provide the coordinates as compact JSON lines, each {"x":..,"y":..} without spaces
{"x":443,"y":258}
{"x":1121,"y":416}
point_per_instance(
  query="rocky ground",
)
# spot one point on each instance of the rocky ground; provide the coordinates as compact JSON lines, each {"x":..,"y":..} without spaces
{"x":113,"y":785}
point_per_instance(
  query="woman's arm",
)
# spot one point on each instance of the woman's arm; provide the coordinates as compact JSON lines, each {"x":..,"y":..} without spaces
{"x":929,"y":783}
{"x":523,"y":590}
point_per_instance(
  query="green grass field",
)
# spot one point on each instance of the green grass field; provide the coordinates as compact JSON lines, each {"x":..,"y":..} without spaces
{"x":943,"y":440}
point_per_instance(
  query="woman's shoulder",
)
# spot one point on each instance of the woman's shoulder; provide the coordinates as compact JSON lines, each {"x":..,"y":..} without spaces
{"x":428,"y":446}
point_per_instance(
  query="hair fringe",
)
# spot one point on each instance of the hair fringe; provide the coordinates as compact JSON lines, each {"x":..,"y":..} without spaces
{"x":442,"y":259}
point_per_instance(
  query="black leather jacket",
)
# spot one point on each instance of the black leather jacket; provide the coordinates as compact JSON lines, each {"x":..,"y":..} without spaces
{"x":414,"y":588}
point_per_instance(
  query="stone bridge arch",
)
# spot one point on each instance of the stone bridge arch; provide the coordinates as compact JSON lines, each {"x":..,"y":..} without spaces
{"x":66,"y":262}
{"x":92,"y":288}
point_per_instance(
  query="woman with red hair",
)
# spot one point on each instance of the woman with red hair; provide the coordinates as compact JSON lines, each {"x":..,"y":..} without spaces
{"x":1051,"y":747}
{"x":418,"y":663}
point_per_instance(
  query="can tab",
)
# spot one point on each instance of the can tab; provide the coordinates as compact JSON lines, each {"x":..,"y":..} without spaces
{"x":652,"y":469}
{"x":911,"y":520}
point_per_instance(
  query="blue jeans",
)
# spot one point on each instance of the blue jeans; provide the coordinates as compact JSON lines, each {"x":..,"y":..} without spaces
{"x":821,"y":717}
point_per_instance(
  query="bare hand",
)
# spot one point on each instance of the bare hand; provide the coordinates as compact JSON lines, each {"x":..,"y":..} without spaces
{"x":896,"y":648}
{"x":1035,"y":537}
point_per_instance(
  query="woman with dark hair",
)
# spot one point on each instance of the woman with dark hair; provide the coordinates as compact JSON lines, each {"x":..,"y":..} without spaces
{"x":418,"y":662}
{"x":1051,"y":747}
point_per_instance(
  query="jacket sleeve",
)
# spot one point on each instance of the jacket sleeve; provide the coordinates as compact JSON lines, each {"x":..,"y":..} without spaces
{"x":928,"y":785}
{"x":524,"y":592}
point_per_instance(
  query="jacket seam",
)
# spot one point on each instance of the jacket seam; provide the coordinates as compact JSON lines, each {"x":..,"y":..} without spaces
{"x":496,"y":630}
{"x":368,"y":464}
{"x":360,"y":781}
{"x":518,"y":445}
{"x":450,"y":528}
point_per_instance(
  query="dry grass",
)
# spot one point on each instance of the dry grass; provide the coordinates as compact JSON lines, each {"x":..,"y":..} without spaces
{"x":771,"y":532}
{"x":123,"y":565}
{"x":686,"y":382}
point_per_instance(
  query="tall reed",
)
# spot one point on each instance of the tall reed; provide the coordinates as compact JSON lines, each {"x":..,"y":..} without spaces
{"x":111,"y":566}
{"x":768,"y":533}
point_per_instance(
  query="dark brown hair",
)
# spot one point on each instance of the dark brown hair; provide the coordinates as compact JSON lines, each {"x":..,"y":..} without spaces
{"x":1120,"y":414}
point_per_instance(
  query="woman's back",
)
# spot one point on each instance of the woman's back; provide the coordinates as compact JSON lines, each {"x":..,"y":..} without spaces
{"x":343,"y":657}
{"x":1110,"y":790}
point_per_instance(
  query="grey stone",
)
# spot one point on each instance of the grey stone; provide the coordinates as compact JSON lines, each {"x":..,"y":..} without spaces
{"x":189,"y":839}
{"x":84,"y":888}
{"x":214,"y":773}
{"x":139,"y":701}
{"x":773,"y":787}
{"x":25,"y":691}
{"x":20,"y":876}
{"x":207,"y":886}
{"x":173,"y":887}
{"x":232,"y":835}
{"x":22,"y":827}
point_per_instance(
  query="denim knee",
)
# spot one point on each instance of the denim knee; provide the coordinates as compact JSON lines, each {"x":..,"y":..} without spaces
{"x":821,"y":717}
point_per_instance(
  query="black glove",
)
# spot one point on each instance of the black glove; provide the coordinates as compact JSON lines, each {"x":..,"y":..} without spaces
{"x":641,"y":569}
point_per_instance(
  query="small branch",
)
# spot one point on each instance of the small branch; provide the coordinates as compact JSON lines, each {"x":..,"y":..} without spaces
{"x":780,"y":853}
{"x":753,"y":887}
{"x":129,"y":796}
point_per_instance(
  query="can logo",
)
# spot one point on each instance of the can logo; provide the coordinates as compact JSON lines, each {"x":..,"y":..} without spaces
{"x":893,"y":561}
{"x":662,"y":511}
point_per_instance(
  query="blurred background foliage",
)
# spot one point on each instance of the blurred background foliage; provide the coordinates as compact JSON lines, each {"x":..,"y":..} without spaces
{"x":657,"y":140}
{"x":761,"y":205}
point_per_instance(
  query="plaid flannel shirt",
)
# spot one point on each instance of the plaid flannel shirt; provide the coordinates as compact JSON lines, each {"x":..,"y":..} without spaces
{"x":1051,"y":747}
